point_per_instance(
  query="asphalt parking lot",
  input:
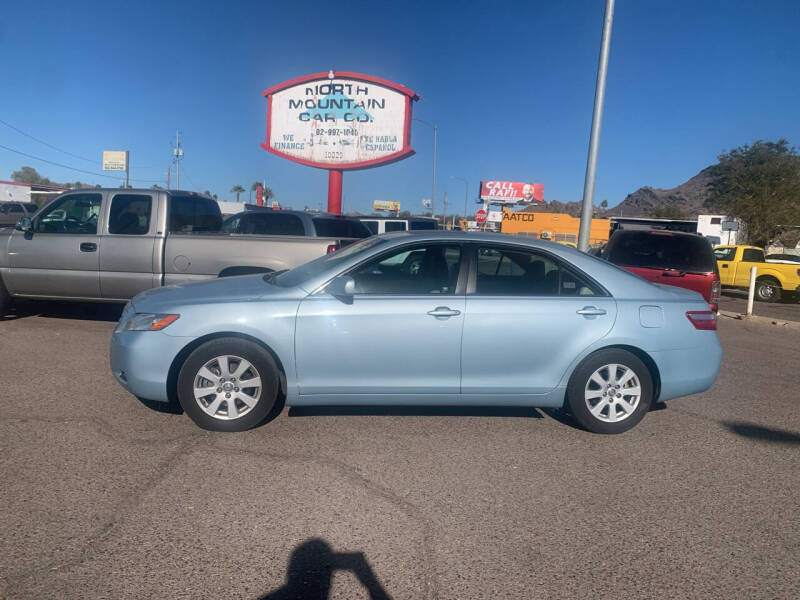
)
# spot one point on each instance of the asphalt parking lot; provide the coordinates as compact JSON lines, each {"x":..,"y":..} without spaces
{"x":104,"y":497}
{"x":736,"y":301}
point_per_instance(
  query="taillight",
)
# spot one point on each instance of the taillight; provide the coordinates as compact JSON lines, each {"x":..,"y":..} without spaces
{"x":716,"y":291}
{"x":703,"y":319}
{"x":333,"y":248}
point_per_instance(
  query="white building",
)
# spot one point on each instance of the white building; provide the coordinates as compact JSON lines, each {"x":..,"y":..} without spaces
{"x":719,"y":229}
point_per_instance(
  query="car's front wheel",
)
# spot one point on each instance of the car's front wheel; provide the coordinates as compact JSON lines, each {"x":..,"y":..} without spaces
{"x":228,"y":384}
{"x":610,"y":391}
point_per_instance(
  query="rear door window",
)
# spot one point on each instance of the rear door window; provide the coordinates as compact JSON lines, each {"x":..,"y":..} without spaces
{"x":272,"y":223}
{"x":340,"y":228}
{"x":372,"y":226}
{"x":394,"y":226}
{"x":422,"y":225}
{"x":517,"y":272}
{"x":130,"y":214}
{"x":193,"y":213}
{"x":752,"y":255}
{"x":661,"y":250}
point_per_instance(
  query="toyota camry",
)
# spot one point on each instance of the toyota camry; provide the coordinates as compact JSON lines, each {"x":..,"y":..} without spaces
{"x":428,"y":318}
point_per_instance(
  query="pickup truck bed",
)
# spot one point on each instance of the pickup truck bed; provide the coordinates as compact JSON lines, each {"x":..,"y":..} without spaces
{"x":111,"y":244}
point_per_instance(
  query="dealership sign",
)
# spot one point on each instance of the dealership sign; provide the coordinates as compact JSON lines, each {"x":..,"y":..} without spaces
{"x":339,"y":120}
{"x":511,"y":192}
{"x":115,"y":160}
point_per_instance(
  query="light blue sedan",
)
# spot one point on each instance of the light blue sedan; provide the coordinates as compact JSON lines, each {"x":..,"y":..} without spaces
{"x":429,"y":318}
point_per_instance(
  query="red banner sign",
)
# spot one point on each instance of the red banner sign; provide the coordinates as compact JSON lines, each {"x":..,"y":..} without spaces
{"x":512,"y":192}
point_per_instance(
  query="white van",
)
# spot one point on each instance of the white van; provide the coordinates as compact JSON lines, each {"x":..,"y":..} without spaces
{"x":379,"y":225}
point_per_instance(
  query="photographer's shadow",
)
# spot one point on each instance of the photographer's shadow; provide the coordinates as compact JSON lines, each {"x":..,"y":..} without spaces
{"x":311,"y":569}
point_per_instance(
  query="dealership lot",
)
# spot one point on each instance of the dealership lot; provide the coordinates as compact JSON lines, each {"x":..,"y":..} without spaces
{"x":106,"y":497}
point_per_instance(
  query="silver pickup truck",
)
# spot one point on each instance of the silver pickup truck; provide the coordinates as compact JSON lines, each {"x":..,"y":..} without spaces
{"x":111,"y":244}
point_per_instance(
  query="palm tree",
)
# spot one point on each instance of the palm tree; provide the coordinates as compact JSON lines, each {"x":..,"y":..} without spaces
{"x":237,"y":189}
{"x":267,"y":193}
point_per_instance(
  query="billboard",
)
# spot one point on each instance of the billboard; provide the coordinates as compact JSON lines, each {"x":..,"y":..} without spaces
{"x":386,"y":205}
{"x":339,"y":121}
{"x":511,"y":192}
{"x":115,"y":160}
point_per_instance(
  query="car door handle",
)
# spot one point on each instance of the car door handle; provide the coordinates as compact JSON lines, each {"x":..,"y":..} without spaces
{"x":443,"y":311}
{"x":591,"y":311}
{"x":88,"y":247}
{"x":724,"y":266}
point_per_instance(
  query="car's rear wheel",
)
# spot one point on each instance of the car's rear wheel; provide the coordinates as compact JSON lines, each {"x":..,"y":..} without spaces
{"x":610,"y":391}
{"x":768,"y":290}
{"x":228,"y":384}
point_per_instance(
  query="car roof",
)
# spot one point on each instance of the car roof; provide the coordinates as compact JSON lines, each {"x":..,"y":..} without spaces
{"x":385,"y":218}
{"x":299,"y":213}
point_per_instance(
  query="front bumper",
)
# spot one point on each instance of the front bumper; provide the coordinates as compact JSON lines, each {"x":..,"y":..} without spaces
{"x":140,"y":361}
{"x":688,"y":370}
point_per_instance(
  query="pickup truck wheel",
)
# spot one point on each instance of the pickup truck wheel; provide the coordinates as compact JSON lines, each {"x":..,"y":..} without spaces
{"x":768,"y":290}
{"x":228,"y":384}
{"x":610,"y":391}
{"x":5,"y":300}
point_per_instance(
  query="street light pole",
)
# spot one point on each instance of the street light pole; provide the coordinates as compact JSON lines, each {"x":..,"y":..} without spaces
{"x":433,"y":183}
{"x":594,"y":138}
{"x":466,"y":192}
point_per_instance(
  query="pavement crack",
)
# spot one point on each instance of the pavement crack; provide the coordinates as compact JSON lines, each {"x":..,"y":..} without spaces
{"x":119,"y":513}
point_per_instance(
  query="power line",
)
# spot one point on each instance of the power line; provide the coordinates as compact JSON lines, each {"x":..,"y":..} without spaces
{"x":18,"y":130}
{"x":75,"y":168}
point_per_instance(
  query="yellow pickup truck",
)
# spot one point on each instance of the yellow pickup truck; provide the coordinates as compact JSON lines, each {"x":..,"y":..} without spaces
{"x":773,"y":280}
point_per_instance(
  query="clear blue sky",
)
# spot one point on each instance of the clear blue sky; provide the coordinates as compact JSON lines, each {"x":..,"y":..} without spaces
{"x":510,"y":85}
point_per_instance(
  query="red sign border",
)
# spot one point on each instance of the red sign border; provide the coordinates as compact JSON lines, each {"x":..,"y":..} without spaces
{"x":405,"y":152}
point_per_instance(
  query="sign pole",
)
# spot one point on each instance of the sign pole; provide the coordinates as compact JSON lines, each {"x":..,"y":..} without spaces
{"x":335,"y":191}
{"x":594,"y":136}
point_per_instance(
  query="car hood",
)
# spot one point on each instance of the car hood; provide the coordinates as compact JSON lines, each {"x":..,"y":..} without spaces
{"x":224,"y":289}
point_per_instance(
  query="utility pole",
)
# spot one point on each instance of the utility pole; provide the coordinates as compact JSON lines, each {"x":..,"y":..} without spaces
{"x":594,"y":138}
{"x":433,"y":181}
{"x":177,"y":153}
{"x":444,"y":212}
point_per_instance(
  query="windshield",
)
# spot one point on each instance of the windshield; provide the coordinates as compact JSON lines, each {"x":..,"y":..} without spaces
{"x":661,"y":250}
{"x":303,"y":273}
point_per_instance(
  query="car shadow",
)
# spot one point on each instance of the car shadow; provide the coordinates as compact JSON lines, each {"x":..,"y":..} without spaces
{"x":311,"y":568}
{"x":85,"y":311}
{"x":415,"y":411}
{"x":565,"y":417}
{"x":771,"y":435}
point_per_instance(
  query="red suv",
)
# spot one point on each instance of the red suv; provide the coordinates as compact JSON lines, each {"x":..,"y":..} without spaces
{"x":670,"y":257}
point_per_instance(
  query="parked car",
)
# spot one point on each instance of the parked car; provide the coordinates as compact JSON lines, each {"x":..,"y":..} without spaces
{"x":426,"y":318}
{"x":297,"y":223}
{"x":379,"y":225}
{"x":668,"y":257}
{"x":773,"y":280}
{"x":11,"y":212}
{"x":111,"y":244}
{"x":786,"y":259}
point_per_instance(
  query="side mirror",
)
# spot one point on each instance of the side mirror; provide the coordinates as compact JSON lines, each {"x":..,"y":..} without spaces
{"x":343,"y":286}
{"x":24,"y":224}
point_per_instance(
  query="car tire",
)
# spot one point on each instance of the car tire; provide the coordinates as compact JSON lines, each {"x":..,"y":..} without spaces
{"x":594,"y":400}
{"x":5,"y":299}
{"x":219,"y":367}
{"x":768,"y":290}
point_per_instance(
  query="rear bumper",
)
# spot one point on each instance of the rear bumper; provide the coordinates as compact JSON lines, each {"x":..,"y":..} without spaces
{"x":140,"y":361}
{"x":688,"y":370}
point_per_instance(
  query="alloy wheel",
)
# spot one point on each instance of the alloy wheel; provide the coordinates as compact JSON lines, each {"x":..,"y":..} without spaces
{"x":612,"y":393}
{"x":227,"y":387}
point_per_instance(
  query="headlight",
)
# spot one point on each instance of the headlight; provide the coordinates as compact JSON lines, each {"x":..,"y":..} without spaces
{"x":149,"y":321}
